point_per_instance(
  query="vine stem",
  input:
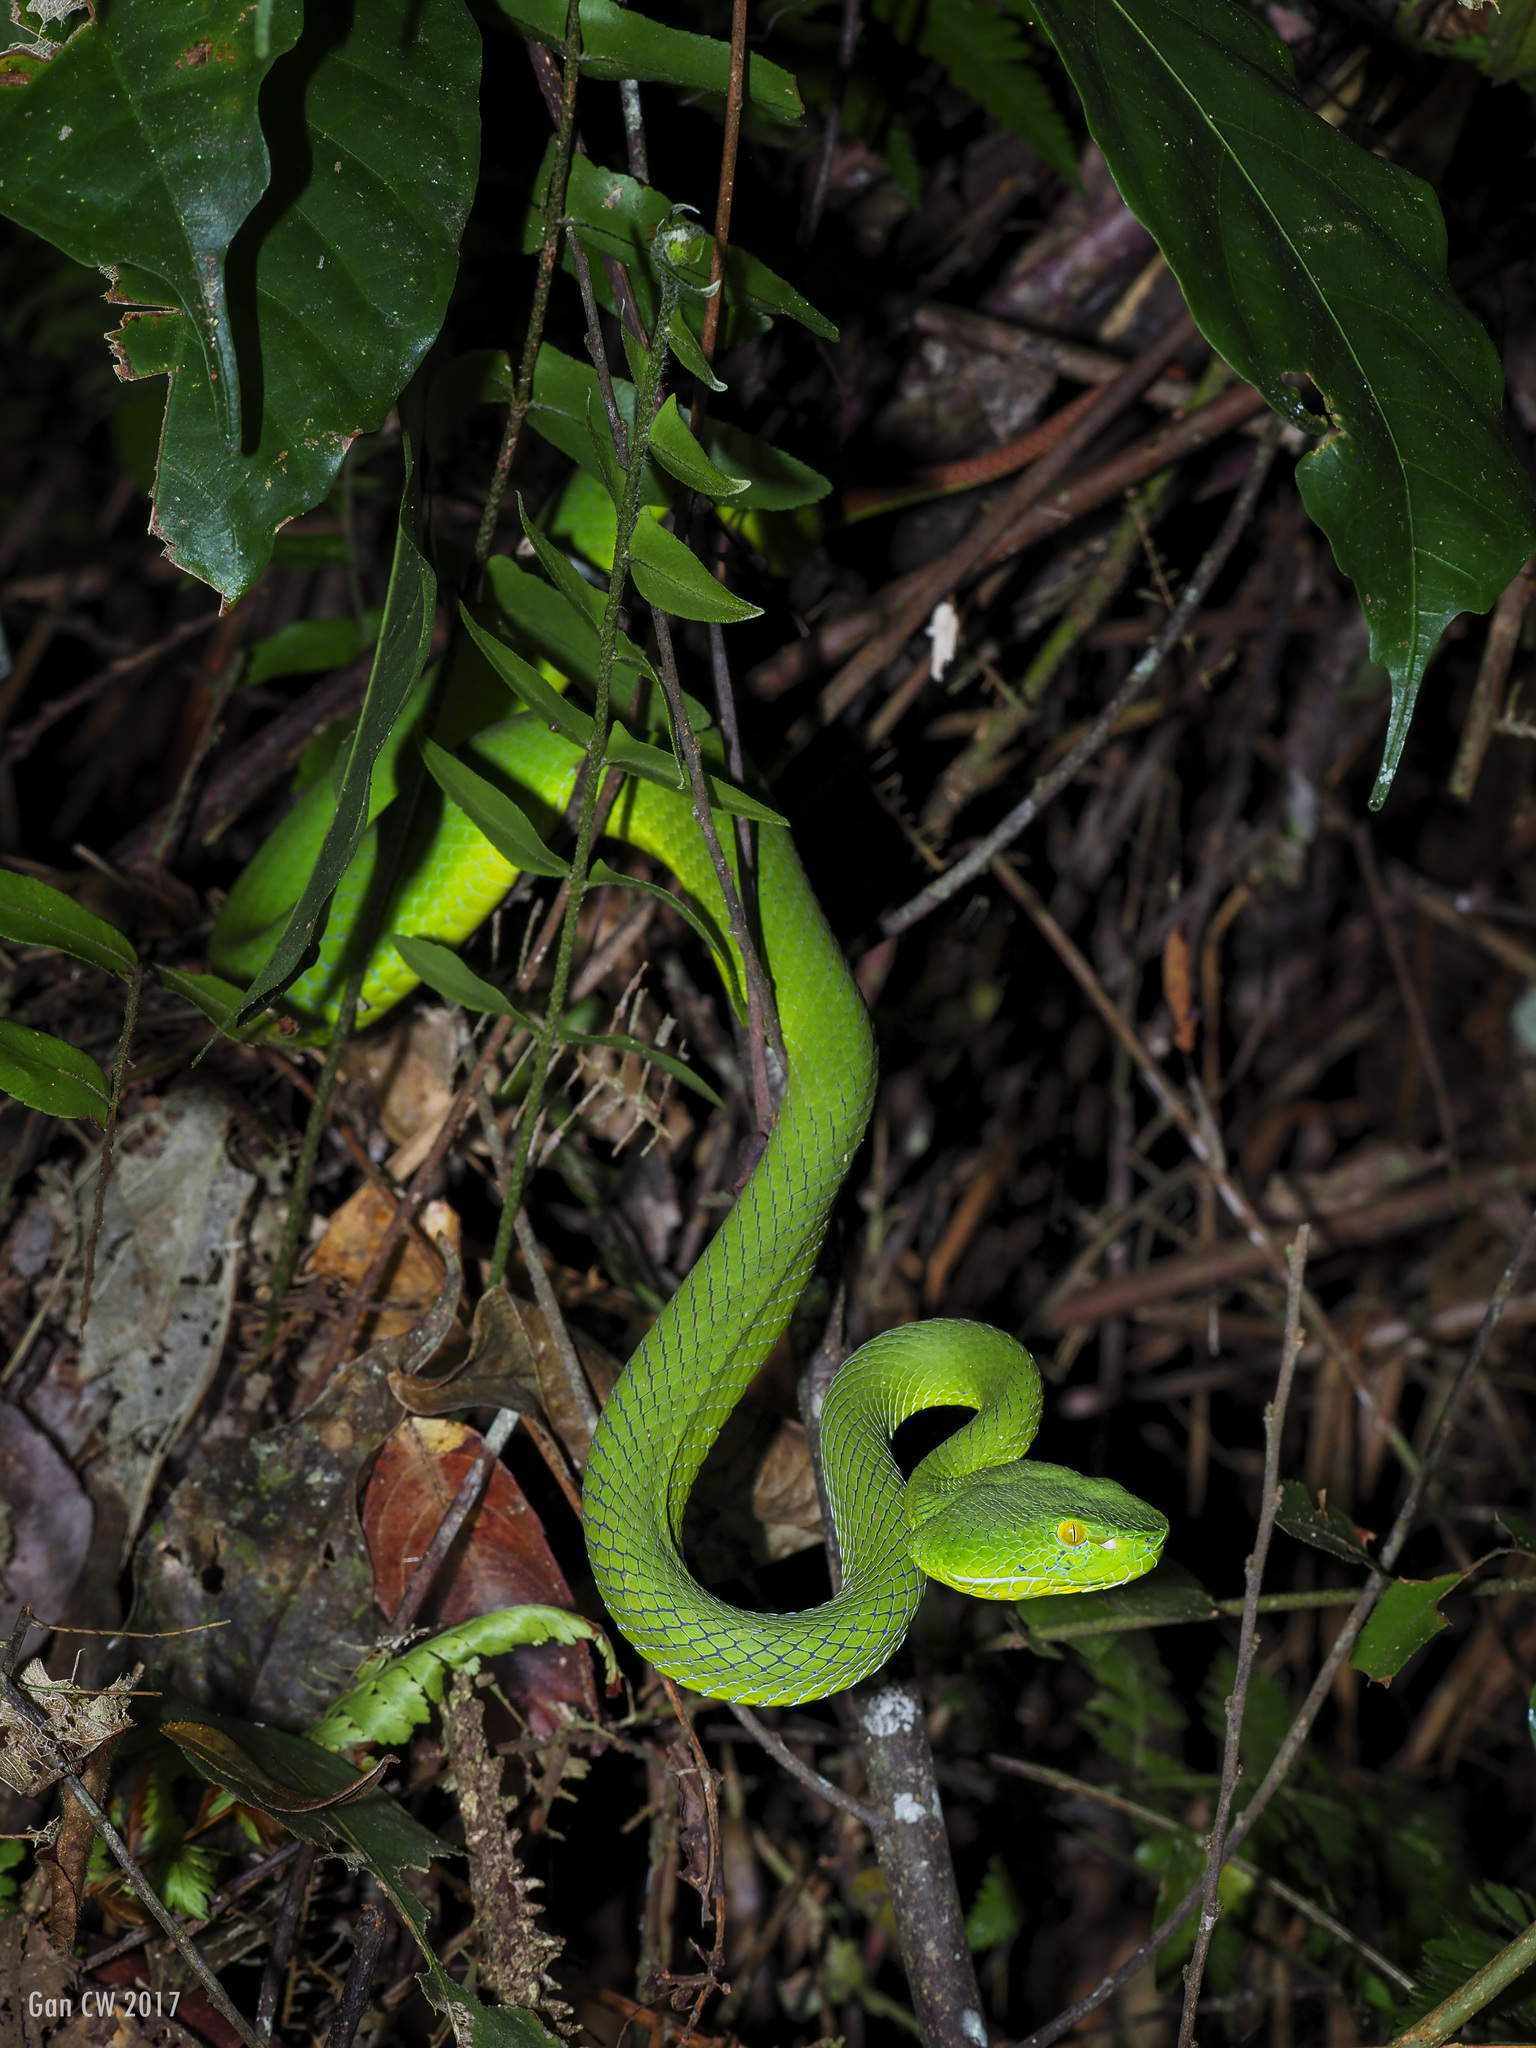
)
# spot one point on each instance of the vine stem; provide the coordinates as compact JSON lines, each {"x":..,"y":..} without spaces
{"x":1247,"y":1638}
{"x":586,"y":828}
{"x":549,"y":249}
{"x":725,"y":199}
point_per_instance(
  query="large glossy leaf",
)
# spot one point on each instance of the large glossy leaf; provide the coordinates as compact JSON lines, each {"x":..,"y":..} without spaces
{"x":138,"y":143}
{"x":1303,"y":256}
{"x":337,"y":283}
{"x":404,"y":639}
{"x":49,"y":1074}
{"x":620,"y":42}
{"x":33,"y":914}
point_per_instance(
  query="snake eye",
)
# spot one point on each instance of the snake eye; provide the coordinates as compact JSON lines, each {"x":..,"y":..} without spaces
{"x":1071,"y":1533}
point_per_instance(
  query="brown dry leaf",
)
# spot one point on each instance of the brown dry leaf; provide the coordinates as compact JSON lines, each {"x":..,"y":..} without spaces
{"x":415,"y":1275}
{"x":33,"y":1976}
{"x":65,"y":1858}
{"x":1176,"y":987}
{"x":79,"y":1722}
{"x":407,"y":1067}
{"x":784,"y":1495}
{"x":505,"y":1560}
{"x":264,"y":1534}
{"x":45,"y":1523}
{"x":697,"y":1831}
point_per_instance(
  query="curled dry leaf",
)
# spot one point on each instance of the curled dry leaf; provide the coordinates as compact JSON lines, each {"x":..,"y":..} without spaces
{"x":784,"y":1495}
{"x":415,"y":1275}
{"x":79,"y":1722}
{"x":67,"y":1857}
{"x":505,"y":1561}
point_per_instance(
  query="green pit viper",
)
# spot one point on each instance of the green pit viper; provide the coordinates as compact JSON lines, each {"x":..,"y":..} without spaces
{"x":976,"y":1513}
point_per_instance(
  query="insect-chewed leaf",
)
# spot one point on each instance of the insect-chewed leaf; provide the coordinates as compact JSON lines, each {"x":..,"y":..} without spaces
{"x":668,"y":573}
{"x":1302,"y":254}
{"x":399,"y":1697}
{"x":33,"y":914}
{"x":49,"y":1074}
{"x":617,"y":1041}
{"x":503,"y":823}
{"x":1404,"y":1619}
{"x":446,"y":973}
{"x":619,"y":42}
{"x":1325,"y":1528}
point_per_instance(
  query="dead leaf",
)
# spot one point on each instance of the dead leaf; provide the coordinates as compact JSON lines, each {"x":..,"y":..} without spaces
{"x":503,"y":1561}
{"x":264,"y":1534}
{"x":407,"y":1067}
{"x":514,"y":1363}
{"x":65,"y":1858}
{"x":33,"y":1976}
{"x":784,"y":1495}
{"x":1176,"y":987}
{"x":415,"y":1276}
{"x":118,"y":2029}
{"x":166,"y":1263}
{"x":79,"y":1722}
{"x":230,"y":1765}
{"x":697,"y":1830}
{"x":45,"y":1523}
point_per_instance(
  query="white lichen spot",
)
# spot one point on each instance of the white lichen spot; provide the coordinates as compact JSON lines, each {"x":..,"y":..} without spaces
{"x":65,"y":133}
{"x":943,"y":630}
{"x":973,"y":2026}
{"x":890,"y":1712}
{"x":905,"y":1807}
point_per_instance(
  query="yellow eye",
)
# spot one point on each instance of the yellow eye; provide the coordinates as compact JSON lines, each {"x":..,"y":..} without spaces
{"x":1071,"y":1533}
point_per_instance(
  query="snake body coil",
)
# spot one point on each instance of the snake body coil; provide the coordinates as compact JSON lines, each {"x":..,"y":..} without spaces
{"x":972,"y":1514}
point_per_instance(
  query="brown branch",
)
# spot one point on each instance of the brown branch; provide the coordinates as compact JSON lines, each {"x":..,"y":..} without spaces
{"x":1247,"y":1641}
{"x":1488,"y":691}
{"x":727,"y":190}
{"x":1407,"y":988}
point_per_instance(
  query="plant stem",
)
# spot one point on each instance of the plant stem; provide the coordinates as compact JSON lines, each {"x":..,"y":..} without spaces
{"x":1247,"y":1640}
{"x":549,"y":250}
{"x":581,"y":858}
{"x":727,"y":190}
{"x":1452,"y":2013}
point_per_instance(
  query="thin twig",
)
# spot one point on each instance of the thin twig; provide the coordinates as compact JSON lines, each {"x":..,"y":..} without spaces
{"x":1413,"y":1002}
{"x":1492,"y":674}
{"x":21,"y":1702}
{"x":1149,"y":1817}
{"x":808,"y":1776}
{"x":847,"y":42}
{"x":369,"y":1931}
{"x":554,"y":1322}
{"x":114,"y":1108}
{"x":762,"y":1011}
{"x":21,"y":742}
{"x":549,"y":249}
{"x":726,"y":194}
{"x":224,"y":1897}
{"x":594,"y":341}
{"x":1050,"y":786}
{"x":1247,"y":1639}
{"x":283,"y":1938}
{"x":1301,"y":1726}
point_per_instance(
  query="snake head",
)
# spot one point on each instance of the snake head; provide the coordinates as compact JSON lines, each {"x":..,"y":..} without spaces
{"x":1014,"y":1532}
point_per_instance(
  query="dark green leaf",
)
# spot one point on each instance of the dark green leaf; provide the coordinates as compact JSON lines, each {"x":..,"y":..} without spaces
{"x":997,"y":1915}
{"x":587,"y":603}
{"x":219,"y":1000}
{"x":524,"y":680}
{"x":1302,"y":255}
{"x":51,"y":1075}
{"x":601,"y":872}
{"x":619,"y":42}
{"x":33,"y":914}
{"x":404,"y":640}
{"x":986,"y":55}
{"x":502,"y":822}
{"x":658,"y":765}
{"x":308,"y":647}
{"x":104,"y":150}
{"x":445,"y":972}
{"x":1404,"y":1619}
{"x":377,"y":125}
{"x":1166,"y":1594}
{"x":378,"y":1830}
{"x":1521,"y":1529}
{"x":675,"y":448}
{"x":618,"y":1042}
{"x":776,"y":482}
{"x":1326,"y":1529}
{"x":668,"y":573}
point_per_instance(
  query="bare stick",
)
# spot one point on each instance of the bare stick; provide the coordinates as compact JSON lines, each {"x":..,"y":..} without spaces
{"x":1301,"y":1727}
{"x":549,"y":249}
{"x":762,"y":1011}
{"x":368,"y":1934}
{"x":846,"y":44}
{"x":727,"y":191}
{"x":807,"y":1775}
{"x":1407,"y":988}
{"x":1247,"y":1640}
{"x":114,"y":1107}
{"x":283,"y":1938}
{"x":1050,"y":786}
{"x":22,"y":1703}
{"x":1149,"y":1817}
{"x":1488,"y":691}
